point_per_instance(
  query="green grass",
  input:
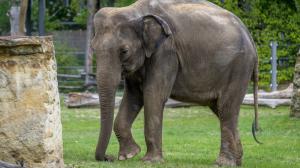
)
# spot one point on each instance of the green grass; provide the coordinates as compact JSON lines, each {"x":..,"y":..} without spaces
{"x":191,"y":138}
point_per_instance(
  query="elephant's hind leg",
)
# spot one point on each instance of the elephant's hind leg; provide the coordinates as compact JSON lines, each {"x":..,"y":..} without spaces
{"x":231,"y":151}
{"x":131,"y":104}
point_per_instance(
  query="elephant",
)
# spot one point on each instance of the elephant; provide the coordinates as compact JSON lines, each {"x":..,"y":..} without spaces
{"x":189,"y":50}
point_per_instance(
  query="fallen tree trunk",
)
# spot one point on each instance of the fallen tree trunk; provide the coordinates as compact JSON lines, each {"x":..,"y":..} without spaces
{"x":74,"y":100}
{"x":171,"y":103}
{"x":281,"y":94}
{"x":273,"y":103}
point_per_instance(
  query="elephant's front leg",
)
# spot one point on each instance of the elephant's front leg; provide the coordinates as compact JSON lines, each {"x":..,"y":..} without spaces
{"x":153,"y":126}
{"x":131,"y":104}
{"x":157,"y":89}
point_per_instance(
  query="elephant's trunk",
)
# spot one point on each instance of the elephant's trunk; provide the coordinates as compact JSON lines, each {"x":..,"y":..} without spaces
{"x":108,"y":77}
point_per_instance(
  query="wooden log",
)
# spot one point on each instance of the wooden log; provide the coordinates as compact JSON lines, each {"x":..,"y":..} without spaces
{"x":75,"y":100}
{"x":171,"y":103}
{"x":281,"y":94}
{"x":273,"y":103}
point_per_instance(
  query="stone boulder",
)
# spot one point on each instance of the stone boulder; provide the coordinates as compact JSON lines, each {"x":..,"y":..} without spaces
{"x":295,"y":106}
{"x":30,"y":124}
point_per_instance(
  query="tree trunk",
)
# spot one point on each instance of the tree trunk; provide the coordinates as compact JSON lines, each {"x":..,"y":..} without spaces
{"x":22,"y":17}
{"x":13,"y":15}
{"x":295,"y":106}
{"x":91,"y":4}
{"x":17,"y":17}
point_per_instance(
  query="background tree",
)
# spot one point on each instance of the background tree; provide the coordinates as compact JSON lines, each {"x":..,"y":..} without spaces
{"x":22,"y":16}
{"x":17,"y":16}
{"x":13,"y":15}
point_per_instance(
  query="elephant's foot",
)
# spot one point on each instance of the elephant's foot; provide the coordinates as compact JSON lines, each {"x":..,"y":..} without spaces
{"x":225,"y":161}
{"x":152,"y":158}
{"x":129,"y":151}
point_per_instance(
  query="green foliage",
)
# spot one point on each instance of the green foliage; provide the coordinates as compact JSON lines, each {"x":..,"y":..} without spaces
{"x":64,"y":56}
{"x":191,"y":138}
{"x":81,"y":12}
{"x":124,"y":2}
{"x":68,"y":63}
{"x":60,"y":16}
{"x":81,"y":17}
{"x":4,"y":20}
{"x":270,"y":21}
{"x":50,"y":23}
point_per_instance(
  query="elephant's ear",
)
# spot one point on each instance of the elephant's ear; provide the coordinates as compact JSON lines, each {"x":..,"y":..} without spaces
{"x":154,"y":31}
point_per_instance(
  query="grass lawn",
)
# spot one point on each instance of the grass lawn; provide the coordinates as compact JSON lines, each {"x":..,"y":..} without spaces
{"x":190,"y":139}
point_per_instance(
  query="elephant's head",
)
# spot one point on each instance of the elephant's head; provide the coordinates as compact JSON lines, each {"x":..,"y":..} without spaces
{"x":121,"y":44}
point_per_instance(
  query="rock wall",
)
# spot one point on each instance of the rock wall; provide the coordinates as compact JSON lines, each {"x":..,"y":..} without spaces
{"x":30,"y":125}
{"x":295,"y":107}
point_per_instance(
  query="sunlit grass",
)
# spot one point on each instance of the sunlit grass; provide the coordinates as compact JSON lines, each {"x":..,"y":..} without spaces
{"x":190,"y":139}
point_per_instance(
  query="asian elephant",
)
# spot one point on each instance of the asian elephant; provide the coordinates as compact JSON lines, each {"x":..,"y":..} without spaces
{"x":189,"y":50}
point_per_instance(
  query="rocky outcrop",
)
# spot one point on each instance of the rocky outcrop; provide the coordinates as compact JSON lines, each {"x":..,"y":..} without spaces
{"x":295,"y":107}
{"x":30,"y":125}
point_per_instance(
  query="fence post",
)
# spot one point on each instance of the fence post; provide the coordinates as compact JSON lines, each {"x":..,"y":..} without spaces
{"x":42,"y":13}
{"x":28,"y":23}
{"x":273,"y":46}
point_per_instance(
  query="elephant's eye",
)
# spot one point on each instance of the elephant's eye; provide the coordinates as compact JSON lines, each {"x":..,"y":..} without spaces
{"x":124,"y":51}
{"x":124,"y":54}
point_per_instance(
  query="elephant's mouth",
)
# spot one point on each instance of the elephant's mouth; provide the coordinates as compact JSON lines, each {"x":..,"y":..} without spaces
{"x":126,"y":73}
{"x":127,"y":70}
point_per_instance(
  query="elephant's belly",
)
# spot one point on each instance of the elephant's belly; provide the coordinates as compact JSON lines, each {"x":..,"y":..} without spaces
{"x":201,"y":98}
{"x":195,"y":88}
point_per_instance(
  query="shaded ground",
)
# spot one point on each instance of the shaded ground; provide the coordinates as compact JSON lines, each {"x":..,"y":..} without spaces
{"x":190,"y":139}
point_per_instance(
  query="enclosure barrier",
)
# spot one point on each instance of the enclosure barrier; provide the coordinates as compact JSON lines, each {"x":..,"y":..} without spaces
{"x":30,"y":125}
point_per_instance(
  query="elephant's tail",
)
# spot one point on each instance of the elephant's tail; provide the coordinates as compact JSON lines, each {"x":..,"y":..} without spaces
{"x":255,"y":84}
{"x":255,"y":90}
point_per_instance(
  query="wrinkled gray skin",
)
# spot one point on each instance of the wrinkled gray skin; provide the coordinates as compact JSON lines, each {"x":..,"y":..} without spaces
{"x":189,"y":50}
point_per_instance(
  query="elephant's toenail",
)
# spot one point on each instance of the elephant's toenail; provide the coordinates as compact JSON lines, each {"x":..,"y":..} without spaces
{"x":130,"y":155}
{"x":122,"y":157}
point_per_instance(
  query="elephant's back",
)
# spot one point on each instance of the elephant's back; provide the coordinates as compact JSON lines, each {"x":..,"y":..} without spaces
{"x":199,"y":15}
{"x":194,"y":7}
{"x":202,"y":30}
